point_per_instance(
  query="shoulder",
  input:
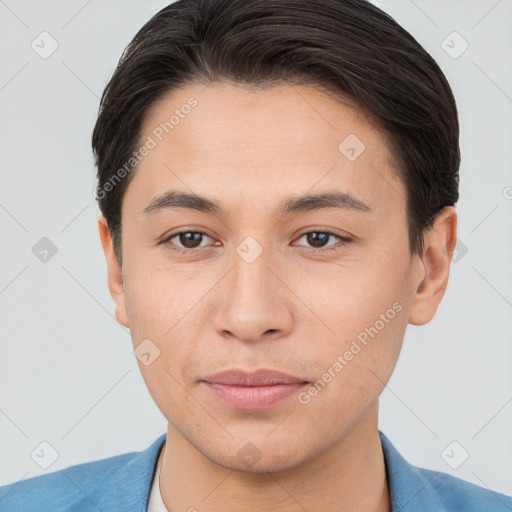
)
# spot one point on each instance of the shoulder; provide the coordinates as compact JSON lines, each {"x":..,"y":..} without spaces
{"x":98,"y":485}
{"x":457,"y":494}
{"x":70,"y":488}
{"x":417,"y":489}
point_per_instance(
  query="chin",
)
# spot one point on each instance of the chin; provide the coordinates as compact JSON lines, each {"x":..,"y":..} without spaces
{"x":260,"y":456}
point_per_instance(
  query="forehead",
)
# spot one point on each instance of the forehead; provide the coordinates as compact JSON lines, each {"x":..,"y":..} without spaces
{"x":241,"y":142}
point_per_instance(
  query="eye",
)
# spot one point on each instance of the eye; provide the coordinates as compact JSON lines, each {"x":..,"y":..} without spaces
{"x":189,"y":240}
{"x":319,"y":238}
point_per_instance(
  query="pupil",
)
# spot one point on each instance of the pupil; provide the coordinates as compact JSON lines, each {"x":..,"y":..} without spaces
{"x":188,"y":239}
{"x":313,"y":240}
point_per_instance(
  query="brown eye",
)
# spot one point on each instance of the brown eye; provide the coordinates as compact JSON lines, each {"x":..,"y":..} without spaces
{"x":318,"y":239}
{"x":185,"y":240}
{"x":190,"y":239}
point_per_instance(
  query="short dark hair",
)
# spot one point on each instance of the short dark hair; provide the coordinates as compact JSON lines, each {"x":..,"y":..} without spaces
{"x":349,"y":46}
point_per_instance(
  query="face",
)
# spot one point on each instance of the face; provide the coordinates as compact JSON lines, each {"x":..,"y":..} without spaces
{"x":253,"y":274}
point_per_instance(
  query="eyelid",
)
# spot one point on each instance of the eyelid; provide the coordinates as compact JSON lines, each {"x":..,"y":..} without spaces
{"x":343,"y":240}
{"x":167,"y":240}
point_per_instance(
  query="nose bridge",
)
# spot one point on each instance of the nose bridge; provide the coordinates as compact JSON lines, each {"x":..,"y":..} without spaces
{"x":254,"y":302}
{"x":250,"y":272}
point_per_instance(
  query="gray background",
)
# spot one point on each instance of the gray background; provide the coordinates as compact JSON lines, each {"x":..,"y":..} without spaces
{"x":68,"y":375}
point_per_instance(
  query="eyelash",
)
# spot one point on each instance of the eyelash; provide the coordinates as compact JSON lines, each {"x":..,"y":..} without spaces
{"x":342,"y":241}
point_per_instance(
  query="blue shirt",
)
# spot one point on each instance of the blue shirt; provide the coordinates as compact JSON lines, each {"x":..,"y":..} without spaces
{"x":123,"y":483}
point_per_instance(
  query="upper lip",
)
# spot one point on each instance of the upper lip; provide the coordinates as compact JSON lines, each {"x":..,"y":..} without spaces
{"x":259,"y":377}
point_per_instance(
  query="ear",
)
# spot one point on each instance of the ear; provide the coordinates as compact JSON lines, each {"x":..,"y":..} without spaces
{"x":434,"y":267}
{"x":114,"y":269}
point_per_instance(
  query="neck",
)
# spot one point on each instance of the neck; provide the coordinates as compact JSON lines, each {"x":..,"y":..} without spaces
{"x":349,"y":476}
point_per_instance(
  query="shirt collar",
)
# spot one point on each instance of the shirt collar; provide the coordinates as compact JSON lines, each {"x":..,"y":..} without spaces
{"x":409,"y":487}
{"x":130,"y":487}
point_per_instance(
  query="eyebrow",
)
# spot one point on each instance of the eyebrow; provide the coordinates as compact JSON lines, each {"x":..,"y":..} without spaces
{"x":309,"y":202}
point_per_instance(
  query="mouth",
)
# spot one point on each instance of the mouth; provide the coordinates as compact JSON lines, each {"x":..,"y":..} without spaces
{"x":253,"y":391}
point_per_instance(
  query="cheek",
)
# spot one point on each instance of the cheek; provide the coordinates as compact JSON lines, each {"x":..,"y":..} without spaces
{"x":161,"y":313}
{"x":356,"y":363}
{"x":167,"y":305}
{"x":362,"y":316}
{"x":160,"y":296}
{"x":349,"y":297}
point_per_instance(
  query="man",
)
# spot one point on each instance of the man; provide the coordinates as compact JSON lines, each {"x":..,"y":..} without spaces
{"x":277,"y":182}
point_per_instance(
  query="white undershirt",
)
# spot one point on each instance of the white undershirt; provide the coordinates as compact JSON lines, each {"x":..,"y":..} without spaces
{"x":156,"y":504}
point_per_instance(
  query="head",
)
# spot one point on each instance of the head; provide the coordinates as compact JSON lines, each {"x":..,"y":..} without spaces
{"x":277,"y":183}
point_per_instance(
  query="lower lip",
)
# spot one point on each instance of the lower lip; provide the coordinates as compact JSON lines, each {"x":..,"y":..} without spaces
{"x":254,"y":398}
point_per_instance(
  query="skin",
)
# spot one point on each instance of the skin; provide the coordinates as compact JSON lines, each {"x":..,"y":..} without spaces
{"x":296,"y":308}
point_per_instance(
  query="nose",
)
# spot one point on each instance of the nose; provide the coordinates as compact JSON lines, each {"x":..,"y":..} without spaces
{"x":255,"y":303}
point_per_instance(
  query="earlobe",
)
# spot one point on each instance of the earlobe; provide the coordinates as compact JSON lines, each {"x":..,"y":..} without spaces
{"x":114,"y":271}
{"x":434,"y":267}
